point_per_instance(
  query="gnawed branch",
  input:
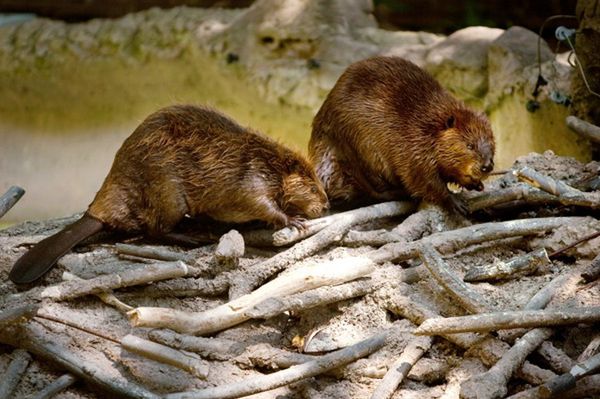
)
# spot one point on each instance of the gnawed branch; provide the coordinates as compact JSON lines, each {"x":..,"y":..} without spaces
{"x":288,"y":376}
{"x":143,"y":275}
{"x":106,"y":297}
{"x":211,"y":348}
{"x":401,"y":367}
{"x":18,"y":314}
{"x":164,"y":354}
{"x":60,"y":384}
{"x":492,"y":384}
{"x":14,"y":372}
{"x":458,"y":290}
{"x":506,"y":320}
{"x":153,"y":253}
{"x":517,"y":266}
{"x":586,"y":129}
{"x":10,"y":198}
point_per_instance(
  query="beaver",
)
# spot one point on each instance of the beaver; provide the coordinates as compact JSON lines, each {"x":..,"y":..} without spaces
{"x":188,"y":160}
{"x":389,"y":130}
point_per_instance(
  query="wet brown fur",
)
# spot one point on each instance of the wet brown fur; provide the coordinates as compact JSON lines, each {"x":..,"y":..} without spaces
{"x":190,"y":160}
{"x":388,"y":129}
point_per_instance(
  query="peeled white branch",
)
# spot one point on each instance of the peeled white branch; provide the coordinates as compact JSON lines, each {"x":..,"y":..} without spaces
{"x":543,"y":182}
{"x":245,"y":280}
{"x":234,"y":312}
{"x":309,"y":299}
{"x":289,"y":235}
{"x":453,"y":240}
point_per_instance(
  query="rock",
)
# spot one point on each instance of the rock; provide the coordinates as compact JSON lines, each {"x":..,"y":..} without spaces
{"x":429,"y":371}
{"x":509,"y":55}
{"x":460,"y":61}
{"x":229,"y":249}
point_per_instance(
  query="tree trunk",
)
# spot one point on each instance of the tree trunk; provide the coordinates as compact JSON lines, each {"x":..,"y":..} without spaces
{"x":587,"y":45}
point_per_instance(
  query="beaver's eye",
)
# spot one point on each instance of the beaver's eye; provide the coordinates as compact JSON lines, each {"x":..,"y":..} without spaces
{"x":470,"y":146}
{"x":313,"y":189}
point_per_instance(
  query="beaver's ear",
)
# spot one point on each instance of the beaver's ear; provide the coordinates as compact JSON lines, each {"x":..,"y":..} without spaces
{"x":293,"y":165}
{"x":450,"y":122}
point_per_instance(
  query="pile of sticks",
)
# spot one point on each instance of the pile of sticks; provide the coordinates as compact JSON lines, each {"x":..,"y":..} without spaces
{"x":302,"y":277}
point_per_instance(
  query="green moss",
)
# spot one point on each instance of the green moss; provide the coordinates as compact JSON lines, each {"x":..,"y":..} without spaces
{"x":67,"y":98}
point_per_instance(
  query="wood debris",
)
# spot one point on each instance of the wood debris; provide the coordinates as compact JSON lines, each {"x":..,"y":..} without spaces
{"x":510,"y":293}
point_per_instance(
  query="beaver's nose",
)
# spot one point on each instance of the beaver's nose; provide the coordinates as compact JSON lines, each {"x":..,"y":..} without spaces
{"x":487,"y":167}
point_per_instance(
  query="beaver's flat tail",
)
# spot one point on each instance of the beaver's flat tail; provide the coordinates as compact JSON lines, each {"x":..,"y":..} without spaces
{"x":39,"y":259}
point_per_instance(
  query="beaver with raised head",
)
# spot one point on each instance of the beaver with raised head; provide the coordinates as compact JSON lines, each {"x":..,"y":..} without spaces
{"x":188,"y":160}
{"x":388,"y":129}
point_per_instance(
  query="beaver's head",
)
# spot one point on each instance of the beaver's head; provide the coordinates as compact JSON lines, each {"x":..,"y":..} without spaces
{"x":465,"y":149}
{"x":303,"y":193}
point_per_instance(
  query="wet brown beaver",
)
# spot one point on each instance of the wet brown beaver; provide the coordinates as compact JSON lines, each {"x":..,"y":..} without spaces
{"x":388,"y":129}
{"x":188,"y":160}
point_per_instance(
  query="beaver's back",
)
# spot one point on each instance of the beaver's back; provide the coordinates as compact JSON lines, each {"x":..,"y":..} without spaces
{"x":184,"y":158}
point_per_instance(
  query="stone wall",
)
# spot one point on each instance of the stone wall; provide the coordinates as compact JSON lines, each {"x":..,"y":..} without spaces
{"x":72,"y":92}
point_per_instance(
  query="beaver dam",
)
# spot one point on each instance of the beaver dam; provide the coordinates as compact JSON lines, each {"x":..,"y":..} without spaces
{"x":385,"y":301}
